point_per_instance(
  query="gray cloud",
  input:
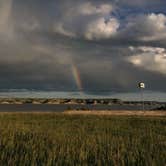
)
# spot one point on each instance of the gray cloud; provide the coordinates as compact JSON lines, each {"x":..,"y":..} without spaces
{"x":144,"y":27}
{"x":41,"y":41}
{"x":88,"y":20}
{"x":149,"y":58}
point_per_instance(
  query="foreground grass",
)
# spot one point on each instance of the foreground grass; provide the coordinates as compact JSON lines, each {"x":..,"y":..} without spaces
{"x":55,"y":139}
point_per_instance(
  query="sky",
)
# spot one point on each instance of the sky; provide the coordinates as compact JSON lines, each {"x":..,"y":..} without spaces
{"x":95,"y":45}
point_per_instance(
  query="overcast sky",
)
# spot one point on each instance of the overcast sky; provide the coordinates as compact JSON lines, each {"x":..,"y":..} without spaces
{"x":97,"y":45}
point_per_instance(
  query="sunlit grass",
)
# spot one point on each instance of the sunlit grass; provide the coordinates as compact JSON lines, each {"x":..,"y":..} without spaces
{"x":55,"y":139}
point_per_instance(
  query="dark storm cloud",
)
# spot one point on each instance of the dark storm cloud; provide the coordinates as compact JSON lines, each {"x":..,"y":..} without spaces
{"x":112,"y":44}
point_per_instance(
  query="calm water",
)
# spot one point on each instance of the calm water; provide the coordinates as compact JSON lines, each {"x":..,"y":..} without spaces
{"x":148,"y":95}
{"x":63,"y":107}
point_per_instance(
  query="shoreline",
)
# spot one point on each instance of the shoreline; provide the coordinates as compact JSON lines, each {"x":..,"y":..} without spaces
{"x":98,"y":113}
{"x":118,"y":113}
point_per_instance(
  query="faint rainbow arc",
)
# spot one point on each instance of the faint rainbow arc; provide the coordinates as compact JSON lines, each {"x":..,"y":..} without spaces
{"x":77,"y":77}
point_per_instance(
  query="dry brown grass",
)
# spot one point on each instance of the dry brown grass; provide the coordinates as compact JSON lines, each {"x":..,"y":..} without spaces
{"x":117,"y":113}
{"x":94,"y":112}
{"x":47,"y":139}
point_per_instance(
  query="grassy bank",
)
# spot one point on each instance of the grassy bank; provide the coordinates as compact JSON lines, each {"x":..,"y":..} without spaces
{"x":55,"y":139}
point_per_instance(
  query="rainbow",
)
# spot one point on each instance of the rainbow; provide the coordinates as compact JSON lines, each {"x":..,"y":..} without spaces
{"x":77,"y":77}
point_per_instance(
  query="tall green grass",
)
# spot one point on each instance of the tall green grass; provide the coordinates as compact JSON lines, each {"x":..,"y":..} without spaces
{"x":55,"y":139}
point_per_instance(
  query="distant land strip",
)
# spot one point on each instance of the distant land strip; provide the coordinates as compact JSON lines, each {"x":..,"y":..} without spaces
{"x":105,"y":101}
{"x":117,"y":113}
{"x":96,"y":113}
{"x":55,"y":104}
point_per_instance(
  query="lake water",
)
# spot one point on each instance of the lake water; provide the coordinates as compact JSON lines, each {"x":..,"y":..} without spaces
{"x":134,"y":96}
{"x":63,"y":107}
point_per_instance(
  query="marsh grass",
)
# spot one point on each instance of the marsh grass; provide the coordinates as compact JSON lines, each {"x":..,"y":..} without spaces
{"x":56,"y":139}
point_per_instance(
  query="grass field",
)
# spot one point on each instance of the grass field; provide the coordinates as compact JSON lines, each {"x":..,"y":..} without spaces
{"x":57,"y":139}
